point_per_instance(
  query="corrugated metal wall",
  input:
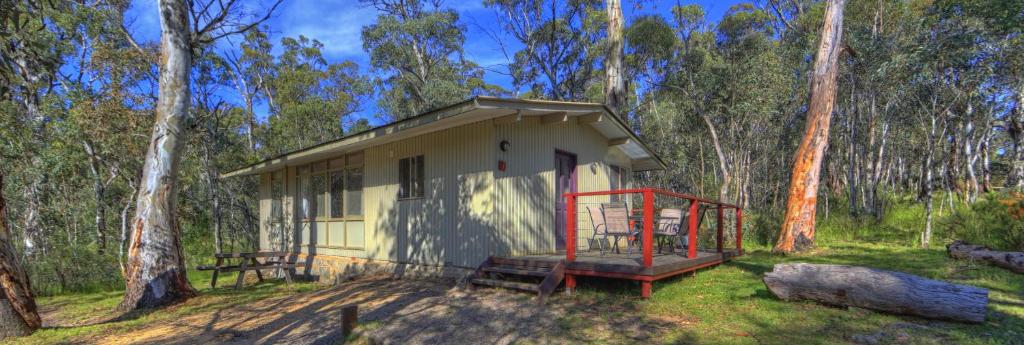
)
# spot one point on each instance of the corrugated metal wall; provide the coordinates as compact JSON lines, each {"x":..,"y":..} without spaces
{"x":525,"y":193}
{"x":470,"y":209}
{"x":453,"y":222}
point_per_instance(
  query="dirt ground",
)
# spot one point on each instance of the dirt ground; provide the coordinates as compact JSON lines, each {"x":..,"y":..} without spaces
{"x":393,"y":312}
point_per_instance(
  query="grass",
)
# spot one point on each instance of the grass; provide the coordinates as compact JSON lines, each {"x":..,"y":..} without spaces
{"x":93,"y":314}
{"x":728,"y":304}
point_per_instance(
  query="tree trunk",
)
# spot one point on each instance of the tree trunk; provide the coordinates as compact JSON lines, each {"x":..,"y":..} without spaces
{"x":1013,"y":261}
{"x":885,"y":291}
{"x":1015,"y":179}
{"x":615,"y":82}
{"x":851,"y":167}
{"x":723,"y":164}
{"x":125,"y":224}
{"x":797,"y":231}
{"x":876,"y":174}
{"x":213,"y":195}
{"x":99,"y":192}
{"x":156,"y":263}
{"x":18,"y":316}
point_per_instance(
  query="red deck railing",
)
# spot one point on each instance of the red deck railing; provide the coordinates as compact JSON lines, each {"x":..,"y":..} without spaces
{"x":647,"y":232}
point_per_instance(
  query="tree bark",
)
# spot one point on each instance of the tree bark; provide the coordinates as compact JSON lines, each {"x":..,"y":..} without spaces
{"x":615,"y":82}
{"x":18,"y":316}
{"x":156,"y":263}
{"x":99,"y":193}
{"x":797,"y":231}
{"x":1013,"y":261}
{"x":1015,"y":180}
{"x":723,"y":165}
{"x":885,"y":291}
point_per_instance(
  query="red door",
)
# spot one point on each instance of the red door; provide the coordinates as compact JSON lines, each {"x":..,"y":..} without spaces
{"x":565,"y":182}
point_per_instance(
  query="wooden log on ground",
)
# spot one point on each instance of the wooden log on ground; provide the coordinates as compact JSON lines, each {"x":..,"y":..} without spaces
{"x":1013,"y":261}
{"x":886,"y":291}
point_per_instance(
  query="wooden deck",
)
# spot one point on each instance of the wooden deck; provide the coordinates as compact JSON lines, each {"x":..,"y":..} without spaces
{"x":625,"y":266}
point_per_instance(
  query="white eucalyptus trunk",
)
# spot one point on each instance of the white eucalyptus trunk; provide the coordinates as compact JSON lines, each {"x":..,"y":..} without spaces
{"x":615,"y":82}
{"x":156,"y":262}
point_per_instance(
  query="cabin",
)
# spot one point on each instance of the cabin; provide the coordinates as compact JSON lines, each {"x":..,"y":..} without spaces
{"x":449,"y":189}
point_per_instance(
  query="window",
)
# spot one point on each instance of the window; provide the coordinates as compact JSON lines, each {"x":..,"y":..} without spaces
{"x":337,"y":188}
{"x":615,"y":181}
{"x":318,"y":191}
{"x":354,"y":192}
{"x":330,"y":199}
{"x":276,"y":196}
{"x":410,"y":177}
{"x":306,"y":211}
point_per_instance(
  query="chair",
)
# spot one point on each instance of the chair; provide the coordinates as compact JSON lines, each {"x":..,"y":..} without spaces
{"x":669,"y":224}
{"x":616,"y":225}
{"x":597,"y":221}
{"x":684,"y":233}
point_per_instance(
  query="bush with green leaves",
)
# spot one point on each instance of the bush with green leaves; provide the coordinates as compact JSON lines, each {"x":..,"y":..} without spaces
{"x":996,"y":221}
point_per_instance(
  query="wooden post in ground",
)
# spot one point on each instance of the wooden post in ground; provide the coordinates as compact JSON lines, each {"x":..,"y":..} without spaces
{"x":349,"y":318}
{"x":570,"y":284}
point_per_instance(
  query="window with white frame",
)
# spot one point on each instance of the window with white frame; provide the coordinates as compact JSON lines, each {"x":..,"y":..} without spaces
{"x":410,"y":177}
{"x":330,"y":201}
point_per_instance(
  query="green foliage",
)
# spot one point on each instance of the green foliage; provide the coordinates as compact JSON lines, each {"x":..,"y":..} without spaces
{"x":561,"y":45}
{"x":312,"y":97}
{"x":417,"y":52}
{"x":996,"y":221}
{"x":75,"y":269}
{"x":765,"y":228}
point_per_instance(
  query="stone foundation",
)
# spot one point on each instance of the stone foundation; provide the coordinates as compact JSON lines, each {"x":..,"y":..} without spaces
{"x":336,"y":269}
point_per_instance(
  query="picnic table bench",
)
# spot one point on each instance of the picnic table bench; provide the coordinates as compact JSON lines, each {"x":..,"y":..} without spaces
{"x":249,"y":262}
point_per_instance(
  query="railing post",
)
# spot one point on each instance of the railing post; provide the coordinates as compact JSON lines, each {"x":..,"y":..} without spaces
{"x":739,"y":231}
{"x":648,"y":232}
{"x":720,"y":228}
{"x":691,"y":246}
{"x":570,"y":227}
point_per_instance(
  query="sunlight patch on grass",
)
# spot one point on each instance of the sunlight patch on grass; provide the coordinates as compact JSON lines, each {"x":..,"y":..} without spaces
{"x":729,"y":304}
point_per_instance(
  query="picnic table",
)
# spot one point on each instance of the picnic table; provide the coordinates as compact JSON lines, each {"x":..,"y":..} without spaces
{"x":249,"y":262}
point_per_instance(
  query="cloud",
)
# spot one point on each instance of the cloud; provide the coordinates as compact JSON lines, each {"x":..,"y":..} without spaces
{"x":337,"y":24}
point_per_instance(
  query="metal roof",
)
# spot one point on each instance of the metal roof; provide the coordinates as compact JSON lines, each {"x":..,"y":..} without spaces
{"x":480,"y":108}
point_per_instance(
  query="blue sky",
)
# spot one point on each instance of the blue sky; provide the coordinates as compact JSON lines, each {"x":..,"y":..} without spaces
{"x":337,"y":24}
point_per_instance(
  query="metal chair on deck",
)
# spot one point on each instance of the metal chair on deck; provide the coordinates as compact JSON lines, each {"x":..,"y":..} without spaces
{"x":684,"y":233}
{"x":616,"y":225}
{"x":669,"y":225}
{"x":597,"y":222}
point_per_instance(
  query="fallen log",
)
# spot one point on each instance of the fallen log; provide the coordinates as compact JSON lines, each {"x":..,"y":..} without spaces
{"x":1013,"y":261}
{"x":886,"y":291}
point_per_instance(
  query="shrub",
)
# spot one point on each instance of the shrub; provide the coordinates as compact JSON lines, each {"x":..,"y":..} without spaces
{"x":996,"y":220}
{"x":765,"y":227}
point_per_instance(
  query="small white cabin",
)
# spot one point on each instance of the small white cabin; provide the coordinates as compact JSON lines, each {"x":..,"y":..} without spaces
{"x":446,"y":188}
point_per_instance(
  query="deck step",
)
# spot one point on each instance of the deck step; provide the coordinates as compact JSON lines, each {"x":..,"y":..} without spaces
{"x":507,"y":284}
{"x":527,"y":263}
{"x":518,"y":270}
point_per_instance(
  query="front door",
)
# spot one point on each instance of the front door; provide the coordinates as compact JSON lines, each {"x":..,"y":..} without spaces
{"x":565,"y":182}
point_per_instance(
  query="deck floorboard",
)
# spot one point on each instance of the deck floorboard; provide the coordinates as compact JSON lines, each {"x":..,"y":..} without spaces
{"x":626,"y":264}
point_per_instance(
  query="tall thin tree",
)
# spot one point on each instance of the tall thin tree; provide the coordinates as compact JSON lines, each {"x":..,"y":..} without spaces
{"x":156,"y":263}
{"x":18,"y":316}
{"x":614,"y":81}
{"x":797,"y":232}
